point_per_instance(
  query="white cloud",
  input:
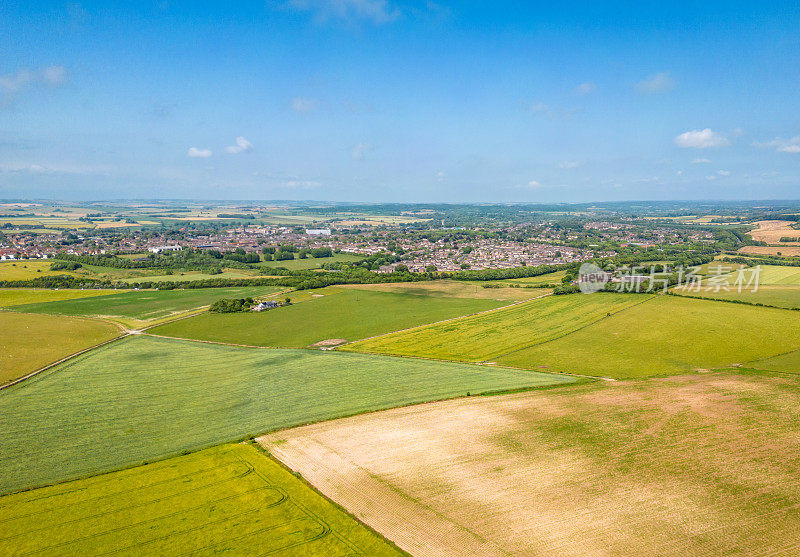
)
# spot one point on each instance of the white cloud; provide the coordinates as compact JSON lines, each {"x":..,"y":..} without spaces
{"x":303,"y":105}
{"x":724,"y":172}
{"x":586,"y":88}
{"x":241,"y":146}
{"x":657,"y":83}
{"x":440,"y":176}
{"x":359,"y":151}
{"x":701,"y":139}
{"x":24,"y":79}
{"x":711,"y":178}
{"x":196,"y":153}
{"x":350,"y":11}
{"x":701,"y":161}
{"x":301,"y":184}
{"x":534,"y":184}
{"x":568,"y":165}
{"x":782,"y":145}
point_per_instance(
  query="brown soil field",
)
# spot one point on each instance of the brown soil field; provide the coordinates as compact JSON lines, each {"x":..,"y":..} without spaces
{"x":701,"y":464}
{"x":785,"y":250}
{"x":771,"y":231}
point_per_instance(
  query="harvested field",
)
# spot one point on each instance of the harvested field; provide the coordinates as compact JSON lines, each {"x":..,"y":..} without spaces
{"x":690,"y":465}
{"x":786,"y":251}
{"x":29,"y":342}
{"x":144,"y":398}
{"x":230,"y":499}
{"x":771,"y":231}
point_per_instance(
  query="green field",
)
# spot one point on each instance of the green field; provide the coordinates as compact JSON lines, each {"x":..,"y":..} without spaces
{"x":667,"y":334}
{"x":311,"y":262}
{"x":549,"y":278}
{"x":28,"y":269}
{"x":180,"y":276}
{"x":229,"y":499}
{"x":336,"y":313}
{"x":486,"y":337}
{"x":29,"y":342}
{"x":145,"y":305}
{"x":144,"y":398}
{"x":455,"y":289}
{"x":17,"y":296}
{"x":783,"y":296}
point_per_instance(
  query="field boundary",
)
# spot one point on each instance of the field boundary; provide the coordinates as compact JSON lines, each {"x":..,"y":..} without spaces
{"x":62,"y":360}
{"x":445,"y":321}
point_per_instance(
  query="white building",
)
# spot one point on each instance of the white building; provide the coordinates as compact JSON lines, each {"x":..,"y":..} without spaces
{"x":318,"y":231}
{"x":159,"y":249}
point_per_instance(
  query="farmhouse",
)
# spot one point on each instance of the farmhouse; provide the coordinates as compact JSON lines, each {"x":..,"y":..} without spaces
{"x":261,"y":306}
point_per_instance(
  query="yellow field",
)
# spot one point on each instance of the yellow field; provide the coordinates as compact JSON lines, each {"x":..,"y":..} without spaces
{"x":691,"y":465}
{"x":28,"y":269}
{"x":29,"y":342}
{"x":17,"y":296}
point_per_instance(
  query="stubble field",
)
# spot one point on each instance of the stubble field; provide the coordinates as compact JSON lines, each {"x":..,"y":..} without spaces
{"x":700,"y":464}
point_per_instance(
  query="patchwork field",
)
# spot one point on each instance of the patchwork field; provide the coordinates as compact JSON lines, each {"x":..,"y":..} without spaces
{"x":144,"y":398}
{"x":690,"y":465}
{"x":229,"y":499}
{"x":486,"y":337}
{"x":605,"y":335}
{"x":29,"y":342}
{"x":329,"y":313}
{"x":145,"y":305}
{"x":17,"y":296}
{"x":455,"y":289}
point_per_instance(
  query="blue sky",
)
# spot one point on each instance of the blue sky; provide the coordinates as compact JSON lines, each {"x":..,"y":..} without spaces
{"x":383,"y":100}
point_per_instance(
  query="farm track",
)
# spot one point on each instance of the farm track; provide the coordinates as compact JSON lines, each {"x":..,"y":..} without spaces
{"x":126,"y":332}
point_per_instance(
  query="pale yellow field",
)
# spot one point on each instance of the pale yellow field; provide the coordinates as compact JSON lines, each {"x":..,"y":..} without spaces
{"x":17,"y":296}
{"x":704,"y":464}
{"x":785,"y":250}
{"x":771,"y":232}
{"x":28,"y":269}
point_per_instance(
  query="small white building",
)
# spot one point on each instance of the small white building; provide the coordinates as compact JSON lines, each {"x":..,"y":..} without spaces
{"x":318,"y":231}
{"x":160,"y":249}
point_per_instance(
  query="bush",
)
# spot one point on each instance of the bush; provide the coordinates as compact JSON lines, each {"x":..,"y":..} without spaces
{"x":233,"y":305}
{"x":65,"y":265}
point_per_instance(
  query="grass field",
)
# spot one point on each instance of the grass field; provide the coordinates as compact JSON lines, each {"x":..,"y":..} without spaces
{"x":486,"y":337}
{"x":144,"y":398}
{"x":229,"y":499}
{"x":180,"y":276}
{"x":145,"y":305}
{"x":667,"y":334}
{"x":689,"y":465}
{"x":454,"y":289}
{"x":771,"y":295}
{"x":313,"y":263}
{"x":29,"y":342}
{"x":17,"y":296}
{"x":549,"y":278}
{"x":643,"y":336}
{"x":337,"y":313}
